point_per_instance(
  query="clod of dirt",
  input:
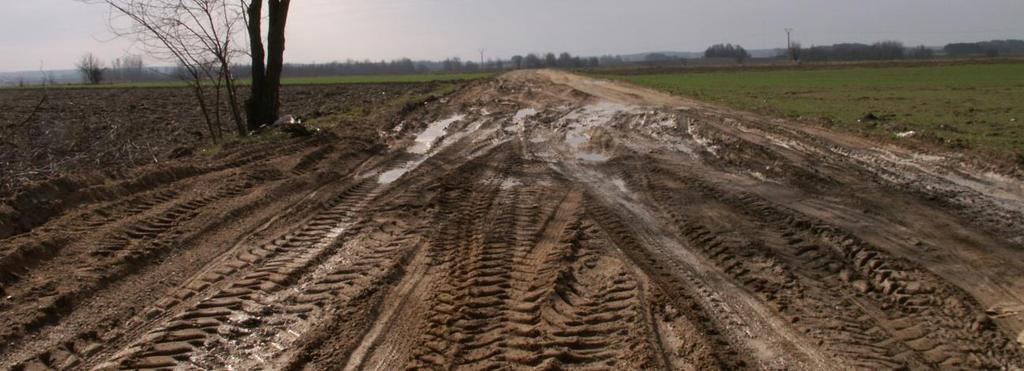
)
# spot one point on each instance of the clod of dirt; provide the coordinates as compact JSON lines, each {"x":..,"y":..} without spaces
{"x":861,"y":286}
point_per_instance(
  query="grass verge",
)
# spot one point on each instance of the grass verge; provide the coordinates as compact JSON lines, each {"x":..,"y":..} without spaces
{"x":962,"y":106}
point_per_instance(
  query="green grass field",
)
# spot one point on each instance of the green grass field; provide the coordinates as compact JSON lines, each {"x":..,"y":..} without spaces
{"x":976,"y":106}
{"x":349,"y":79}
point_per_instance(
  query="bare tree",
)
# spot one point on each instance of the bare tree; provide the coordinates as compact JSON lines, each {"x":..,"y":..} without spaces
{"x":517,"y":62}
{"x":91,"y":68}
{"x":264,"y":104}
{"x":128,"y":68}
{"x":200,"y":36}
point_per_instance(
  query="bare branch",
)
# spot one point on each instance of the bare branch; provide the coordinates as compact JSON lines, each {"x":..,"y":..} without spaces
{"x":195,"y":34}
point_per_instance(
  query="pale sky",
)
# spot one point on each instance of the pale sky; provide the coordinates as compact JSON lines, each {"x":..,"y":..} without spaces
{"x":55,"y":33}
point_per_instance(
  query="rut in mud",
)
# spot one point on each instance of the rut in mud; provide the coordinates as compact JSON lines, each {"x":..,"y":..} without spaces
{"x":543,"y":220}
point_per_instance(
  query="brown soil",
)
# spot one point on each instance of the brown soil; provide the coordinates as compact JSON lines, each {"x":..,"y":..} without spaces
{"x":76,"y":130}
{"x":559,"y":223}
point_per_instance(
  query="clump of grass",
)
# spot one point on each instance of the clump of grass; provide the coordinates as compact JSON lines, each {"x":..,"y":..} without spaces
{"x":265,"y":136}
{"x":399,"y":105}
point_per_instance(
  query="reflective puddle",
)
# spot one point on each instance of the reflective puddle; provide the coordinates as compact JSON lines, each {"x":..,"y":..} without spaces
{"x":425,"y":140}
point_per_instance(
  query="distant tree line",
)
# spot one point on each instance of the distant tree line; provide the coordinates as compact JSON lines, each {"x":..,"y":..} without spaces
{"x":124,"y":69}
{"x":130,"y":68}
{"x":350,"y":67}
{"x":727,"y":51}
{"x":895,"y":50}
{"x":884,"y":50}
{"x":550,"y":60}
{"x":452,"y":65}
{"x":992,"y":48}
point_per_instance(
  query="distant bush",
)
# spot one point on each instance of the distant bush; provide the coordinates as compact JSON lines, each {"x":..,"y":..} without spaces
{"x":91,"y":68}
{"x":922,"y":52}
{"x":727,"y":51}
{"x":992,"y":48}
{"x":884,"y":50}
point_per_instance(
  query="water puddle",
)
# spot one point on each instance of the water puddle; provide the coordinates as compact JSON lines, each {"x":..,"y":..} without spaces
{"x":523,"y":114}
{"x":510,"y":183}
{"x":428,"y":143}
{"x":425,"y":140}
{"x":392,"y":175}
{"x":582,"y":120}
{"x":621,"y":184}
{"x":576,"y":139}
{"x":591,"y":157}
{"x":707,"y":143}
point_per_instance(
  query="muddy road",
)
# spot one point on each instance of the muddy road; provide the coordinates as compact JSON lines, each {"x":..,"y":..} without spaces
{"x":536,"y":220}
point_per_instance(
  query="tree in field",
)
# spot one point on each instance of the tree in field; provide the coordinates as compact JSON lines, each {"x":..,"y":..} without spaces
{"x":128,"y":68}
{"x":452,"y":64}
{"x":91,"y":69}
{"x":887,"y":50}
{"x":517,"y":62}
{"x":727,"y":51}
{"x":550,"y":60}
{"x":200,"y":36}
{"x":264,"y":104}
{"x":922,"y":52}
{"x":565,"y":60}
{"x":533,"y":61}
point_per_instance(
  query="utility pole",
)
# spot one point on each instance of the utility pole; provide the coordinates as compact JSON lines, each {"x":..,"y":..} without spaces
{"x":481,"y":50}
{"x":789,"y":43}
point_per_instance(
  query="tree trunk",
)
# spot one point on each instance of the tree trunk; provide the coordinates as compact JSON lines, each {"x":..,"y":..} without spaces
{"x":232,"y":90}
{"x":197,"y":89}
{"x":263,"y":105}
{"x":254,"y":116}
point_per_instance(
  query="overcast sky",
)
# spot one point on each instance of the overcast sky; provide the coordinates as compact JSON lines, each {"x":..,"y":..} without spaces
{"x":55,"y":32}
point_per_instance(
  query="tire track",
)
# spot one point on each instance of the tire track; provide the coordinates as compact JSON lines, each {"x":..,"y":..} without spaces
{"x":106,"y":339}
{"x":681,"y":288}
{"x":462,"y":230}
{"x":226,"y":312}
{"x":574,"y":306}
{"x":948,"y":328}
{"x":118,"y":254}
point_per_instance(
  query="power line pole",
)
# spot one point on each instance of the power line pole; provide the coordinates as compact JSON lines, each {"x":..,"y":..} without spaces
{"x":789,"y":43}
{"x":481,"y":56}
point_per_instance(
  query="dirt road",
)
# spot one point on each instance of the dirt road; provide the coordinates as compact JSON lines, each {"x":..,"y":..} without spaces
{"x":537,"y":220}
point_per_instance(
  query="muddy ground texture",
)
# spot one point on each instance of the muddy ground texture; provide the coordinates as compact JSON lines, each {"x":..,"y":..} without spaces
{"x":46,"y":133}
{"x":536,"y":220}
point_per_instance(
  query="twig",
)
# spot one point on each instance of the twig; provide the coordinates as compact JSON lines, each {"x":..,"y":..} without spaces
{"x":34,"y":110}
